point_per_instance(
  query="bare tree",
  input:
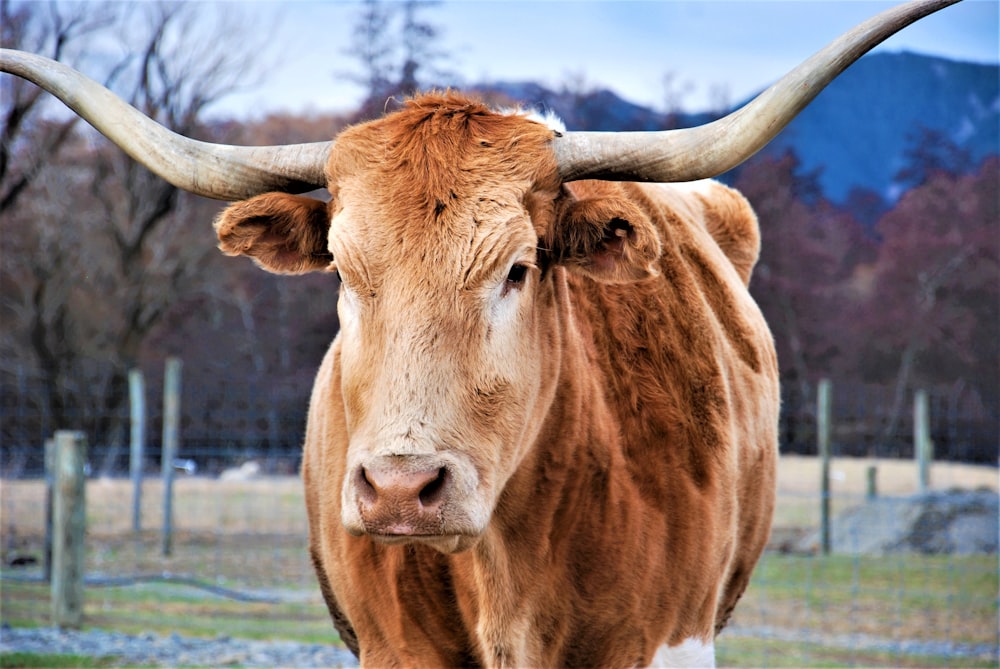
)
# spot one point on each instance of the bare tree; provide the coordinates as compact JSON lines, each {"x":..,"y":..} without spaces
{"x":372,"y":45}
{"x":418,"y":38}
{"x":394,"y":47}
{"x":49,"y":30}
{"x":98,"y":248}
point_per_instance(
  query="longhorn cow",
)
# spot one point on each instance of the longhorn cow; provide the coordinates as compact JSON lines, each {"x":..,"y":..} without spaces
{"x":546,"y":433}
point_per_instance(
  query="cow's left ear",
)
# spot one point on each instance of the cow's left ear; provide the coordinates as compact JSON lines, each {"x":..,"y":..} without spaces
{"x":607,"y":238}
{"x":285,"y":234}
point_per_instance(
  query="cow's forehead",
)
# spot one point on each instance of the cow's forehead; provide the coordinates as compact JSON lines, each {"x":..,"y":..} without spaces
{"x":469,"y":238}
{"x":453,"y":186}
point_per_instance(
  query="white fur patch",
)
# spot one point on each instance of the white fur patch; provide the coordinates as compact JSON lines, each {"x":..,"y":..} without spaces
{"x":691,"y":652}
{"x":702,"y":186}
{"x":548,"y":119}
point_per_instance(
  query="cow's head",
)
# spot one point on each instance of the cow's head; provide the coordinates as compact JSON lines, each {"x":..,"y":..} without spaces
{"x":445,"y":246}
{"x":444,"y":222}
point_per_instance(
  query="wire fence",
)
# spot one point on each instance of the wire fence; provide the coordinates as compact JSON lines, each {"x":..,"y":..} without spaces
{"x":229,"y":420}
{"x":223,"y":424}
{"x":911,"y":579}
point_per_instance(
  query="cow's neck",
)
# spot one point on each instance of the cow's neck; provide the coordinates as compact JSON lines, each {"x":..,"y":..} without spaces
{"x":577,"y":462}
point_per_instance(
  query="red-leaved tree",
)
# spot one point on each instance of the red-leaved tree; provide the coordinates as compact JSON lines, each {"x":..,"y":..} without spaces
{"x":933,"y":315}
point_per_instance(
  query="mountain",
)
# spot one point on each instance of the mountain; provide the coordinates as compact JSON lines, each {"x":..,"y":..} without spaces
{"x":855,"y":134}
{"x":593,"y":109}
{"x":858,"y":130}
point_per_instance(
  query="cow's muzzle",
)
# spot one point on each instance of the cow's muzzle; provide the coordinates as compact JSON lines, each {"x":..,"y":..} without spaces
{"x":396,"y":498}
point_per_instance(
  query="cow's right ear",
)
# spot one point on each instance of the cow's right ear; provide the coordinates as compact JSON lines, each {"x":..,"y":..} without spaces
{"x":283,"y":233}
{"x":606,"y":237}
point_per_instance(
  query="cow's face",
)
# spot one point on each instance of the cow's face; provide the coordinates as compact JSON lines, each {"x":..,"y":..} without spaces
{"x":445,"y":227}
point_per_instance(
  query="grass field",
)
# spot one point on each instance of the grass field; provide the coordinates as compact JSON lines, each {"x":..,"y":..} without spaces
{"x":823,"y":605}
{"x":37,"y":661}
{"x":913,"y":611}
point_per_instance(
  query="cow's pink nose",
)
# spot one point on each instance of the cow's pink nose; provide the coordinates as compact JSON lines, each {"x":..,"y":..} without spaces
{"x":401,"y":500}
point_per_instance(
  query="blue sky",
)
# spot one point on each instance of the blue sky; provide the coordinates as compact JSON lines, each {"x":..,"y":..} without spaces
{"x":734,"y":46}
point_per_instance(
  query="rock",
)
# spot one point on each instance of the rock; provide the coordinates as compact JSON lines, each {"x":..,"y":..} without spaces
{"x":954,"y":522}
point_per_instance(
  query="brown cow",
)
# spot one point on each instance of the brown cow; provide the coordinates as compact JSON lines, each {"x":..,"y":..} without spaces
{"x":549,"y":422}
{"x":546,"y":433}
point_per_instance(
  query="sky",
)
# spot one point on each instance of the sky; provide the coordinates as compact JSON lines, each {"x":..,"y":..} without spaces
{"x":712,"y":49}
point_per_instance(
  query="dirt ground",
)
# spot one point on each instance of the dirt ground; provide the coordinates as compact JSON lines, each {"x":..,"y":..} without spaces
{"x":848,"y":476}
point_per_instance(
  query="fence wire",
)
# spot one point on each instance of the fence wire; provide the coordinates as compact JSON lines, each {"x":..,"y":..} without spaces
{"x":226,"y":422}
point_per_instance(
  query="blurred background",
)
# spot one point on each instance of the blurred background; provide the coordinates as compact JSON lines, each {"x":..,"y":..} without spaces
{"x":879,"y":209}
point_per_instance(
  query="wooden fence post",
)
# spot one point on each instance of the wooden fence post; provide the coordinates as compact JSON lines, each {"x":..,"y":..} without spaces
{"x":922,"y":447}
{"x":137,"y":411}
{"x":823,"y":444}
{"x":50,"y":481}
{"x":69,"y":523}
{"x":871,"y":488}
{"x":171,"y":430}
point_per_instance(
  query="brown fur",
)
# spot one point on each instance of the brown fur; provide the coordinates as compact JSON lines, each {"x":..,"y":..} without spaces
{"x":614,"y":412}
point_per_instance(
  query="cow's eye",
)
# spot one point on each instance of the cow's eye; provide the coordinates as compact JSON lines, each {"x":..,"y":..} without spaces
{"x":517,"y":275}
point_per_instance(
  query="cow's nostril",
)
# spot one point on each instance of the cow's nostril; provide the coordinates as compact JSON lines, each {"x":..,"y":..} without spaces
{"x":431,"y":493}
{"x":366,"y":489}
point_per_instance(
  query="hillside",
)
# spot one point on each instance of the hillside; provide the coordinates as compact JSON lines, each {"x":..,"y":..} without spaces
{"x":856,"y":132}
{"x":859,"y":128}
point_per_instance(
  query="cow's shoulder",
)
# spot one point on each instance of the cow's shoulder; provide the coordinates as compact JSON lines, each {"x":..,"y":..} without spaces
{"x":721,"y":211}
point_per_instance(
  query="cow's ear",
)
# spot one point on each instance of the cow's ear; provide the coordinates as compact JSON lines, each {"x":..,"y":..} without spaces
{"x":283,"y":233}
{"x":607,"y":238}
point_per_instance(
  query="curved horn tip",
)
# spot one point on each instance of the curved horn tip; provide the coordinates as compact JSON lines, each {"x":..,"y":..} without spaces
{"x":712,"y":149}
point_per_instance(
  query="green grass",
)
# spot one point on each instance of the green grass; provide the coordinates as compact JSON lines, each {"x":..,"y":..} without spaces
{"x":746,"y":652}
{"x":39,"y":661}
{"x":164,"y":609}
{"x":951,"y":598}
{"x":827,"y":599}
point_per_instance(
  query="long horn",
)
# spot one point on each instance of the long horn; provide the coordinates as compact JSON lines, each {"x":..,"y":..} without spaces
{"x":711,"y":149}
{"x":219,"y":171}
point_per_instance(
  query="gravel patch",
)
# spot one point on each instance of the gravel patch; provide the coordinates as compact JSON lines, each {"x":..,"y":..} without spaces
{"x":172,"y":650}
